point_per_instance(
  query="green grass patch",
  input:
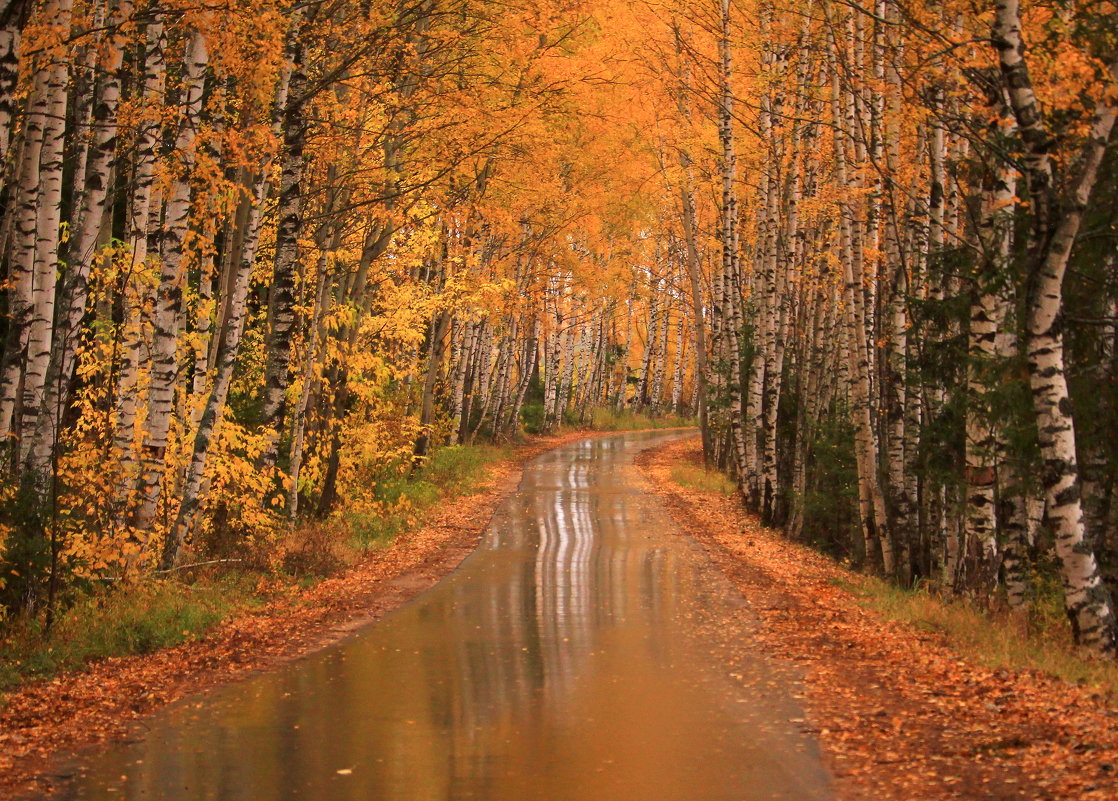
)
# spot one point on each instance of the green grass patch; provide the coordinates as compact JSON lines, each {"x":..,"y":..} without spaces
{"x":458,"y":469}
{"x":1039,"y":640}
{"x":606,"y":419}
{"x":377,"y":529}
{"x":142,"y":617}
{"x":405,"y":499}
{"x":119,"y":621}
{"x":700,"y":478}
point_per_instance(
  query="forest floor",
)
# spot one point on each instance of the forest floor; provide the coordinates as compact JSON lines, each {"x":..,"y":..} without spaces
{"x":898,"y":713}
{"x":43,"y":722}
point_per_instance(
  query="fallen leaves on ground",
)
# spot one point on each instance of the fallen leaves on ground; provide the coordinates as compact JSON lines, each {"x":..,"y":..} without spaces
{"x":46,"y":721}
{"x":898,"y":714}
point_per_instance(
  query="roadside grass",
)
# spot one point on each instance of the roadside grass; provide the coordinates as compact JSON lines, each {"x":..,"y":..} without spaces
{"x":988,"y":635}
{"x":119,"y":621}
{"x":697,"y":477}
{"x":404,"y":500}
{"x":144,"y":616}
{"x":997,"y":639}
{"x":459,"y":469}
{"x":606,"y":419}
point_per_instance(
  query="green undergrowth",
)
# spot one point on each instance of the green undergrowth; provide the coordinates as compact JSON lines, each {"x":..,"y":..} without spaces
{"x":405,"y":498}
{"x":609,"y":420}
{"x":124,"y":619}
{"x":997,"y":639}
{"x":700,"y":478}
{"x":137,"y":618}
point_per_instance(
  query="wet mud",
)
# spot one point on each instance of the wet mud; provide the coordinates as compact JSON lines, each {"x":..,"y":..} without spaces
{"x":584,"y":651}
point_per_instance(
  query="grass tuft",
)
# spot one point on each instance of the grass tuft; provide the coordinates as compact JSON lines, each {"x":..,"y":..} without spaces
{"x":700,"y":478}
{"x":606,"y":419}
{"x":995,"y":639}
{"x":404,"y":500}
{"x":458,"y":469}
{"x":119,"y":621}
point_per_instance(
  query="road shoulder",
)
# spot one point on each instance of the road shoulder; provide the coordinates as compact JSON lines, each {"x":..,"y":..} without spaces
{"x":45,"y":722}
{"x":897,"y":713}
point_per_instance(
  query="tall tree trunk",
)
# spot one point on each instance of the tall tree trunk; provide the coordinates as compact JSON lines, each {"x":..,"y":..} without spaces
{"x":172,"y":276}
{"x":988,"y":310}
{"x":47,"y":235}
{"x":1051,"y":237}
{"x":315,"y":336}
{"x":228,"y":345}
{"x":13,"y":17}
{"x":143,"y":206}
{"x":21,"y":256}
{"x":281,"y":297}
{"x":527,"y":368}
{"x":440,"y":327}
{"x":729,"y":234}
{"x":88,"y":222}
{"x":871,"y":498}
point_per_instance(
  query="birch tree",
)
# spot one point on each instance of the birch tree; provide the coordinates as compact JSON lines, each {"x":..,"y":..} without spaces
{"x":1055,"y":222}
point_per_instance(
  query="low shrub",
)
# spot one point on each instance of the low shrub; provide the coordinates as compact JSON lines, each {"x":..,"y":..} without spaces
{"x":1038,"y":640}
{"x":136,"y":618}
{"x":607,"y":419}
{"x":700,"y":478}
{"x":315,"y":551}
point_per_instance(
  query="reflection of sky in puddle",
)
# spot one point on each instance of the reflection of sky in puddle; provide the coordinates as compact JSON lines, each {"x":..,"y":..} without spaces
{"x":564,"y":660}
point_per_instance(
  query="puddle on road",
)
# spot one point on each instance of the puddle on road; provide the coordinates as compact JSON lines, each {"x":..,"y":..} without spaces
{"x":569,"y":659}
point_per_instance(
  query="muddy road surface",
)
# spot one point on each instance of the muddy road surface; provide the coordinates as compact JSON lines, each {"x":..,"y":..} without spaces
{"x":587,"y":651}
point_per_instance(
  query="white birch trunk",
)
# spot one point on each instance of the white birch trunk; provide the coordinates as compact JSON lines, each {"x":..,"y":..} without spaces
{"x":874,"y":522}
{"x":1054,"y":229}
{"x":281,"y":297}
{"x":172,"y":276}
{"x":729,"y":235}
{"x":143,"y":207}
{"x":87,"y":224}
{"x":47,"y":236}
{"x":228,"y":345}
{"x":21,"y":257}
{"x":13,"y":16}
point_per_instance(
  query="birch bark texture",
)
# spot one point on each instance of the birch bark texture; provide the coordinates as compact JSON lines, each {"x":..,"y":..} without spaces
{"x":1051,"y":237}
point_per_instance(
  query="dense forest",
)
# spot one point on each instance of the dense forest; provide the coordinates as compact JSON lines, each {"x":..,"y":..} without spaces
{"x":916,"y":300}
{"x":260,"y":257}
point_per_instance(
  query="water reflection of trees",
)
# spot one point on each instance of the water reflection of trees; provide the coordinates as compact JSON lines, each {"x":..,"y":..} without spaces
{"x":440,"y":698}
{"x":592,"y":570}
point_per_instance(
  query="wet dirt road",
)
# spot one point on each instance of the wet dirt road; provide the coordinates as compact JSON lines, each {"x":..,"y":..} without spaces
{"x":585,"y":652}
